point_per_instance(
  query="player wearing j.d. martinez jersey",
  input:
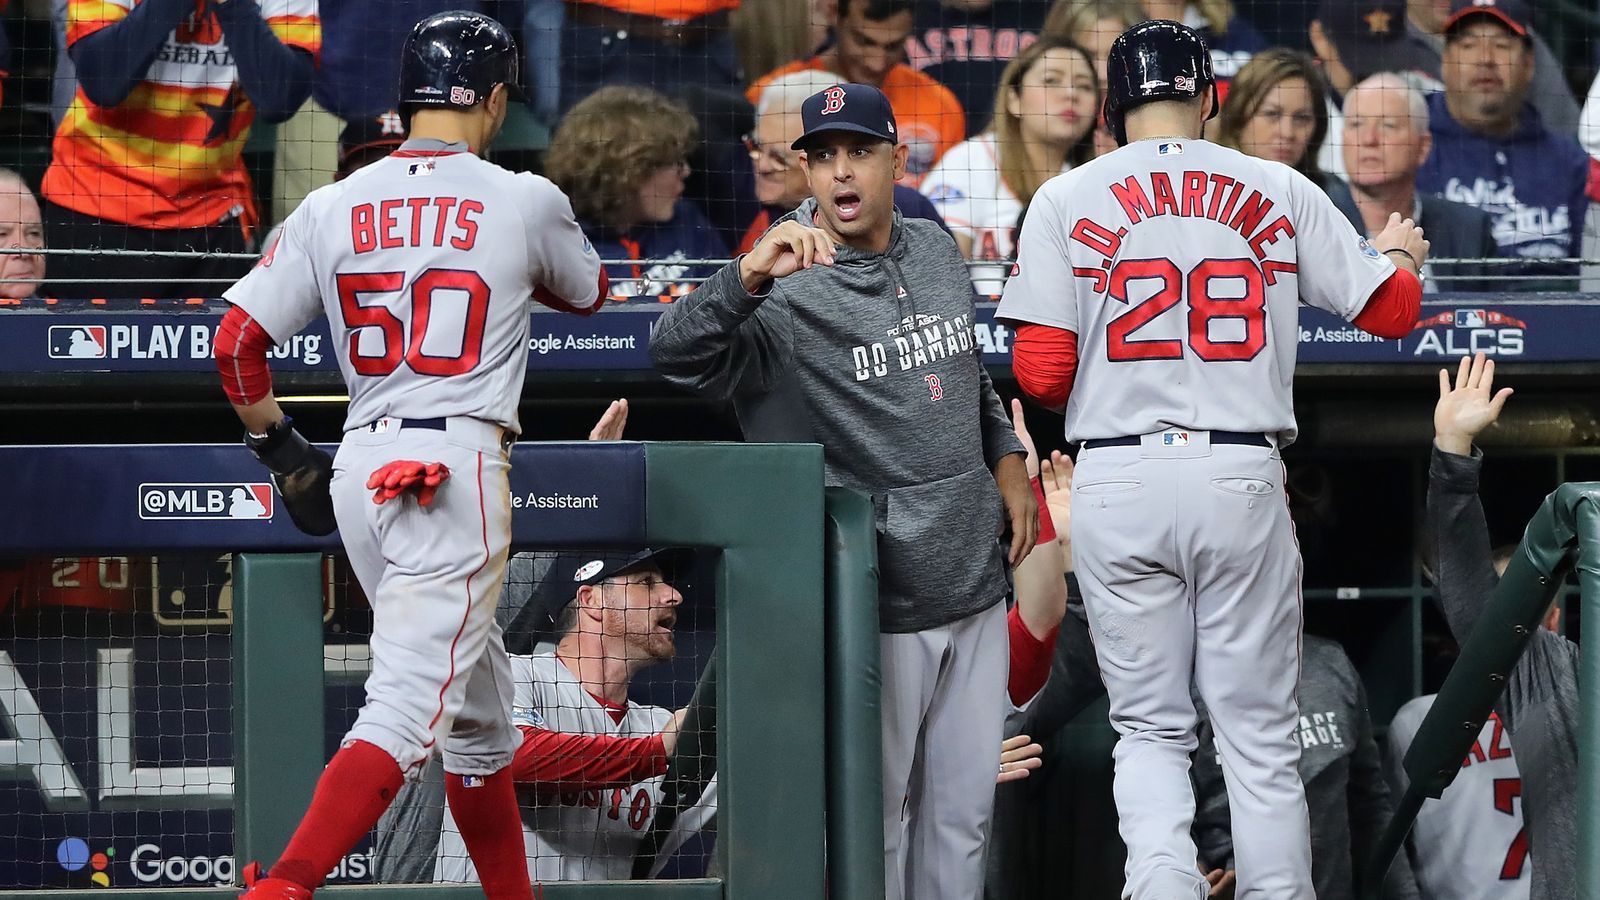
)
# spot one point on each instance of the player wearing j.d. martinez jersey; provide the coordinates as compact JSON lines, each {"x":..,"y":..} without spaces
{"x":1156,"y":298}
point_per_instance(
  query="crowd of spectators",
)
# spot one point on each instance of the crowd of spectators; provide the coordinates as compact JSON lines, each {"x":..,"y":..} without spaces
{"x":668,"y":122}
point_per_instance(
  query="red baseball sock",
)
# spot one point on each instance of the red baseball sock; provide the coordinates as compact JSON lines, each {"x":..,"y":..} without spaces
{"x":354,"y":790}
{"x":486,"y":815}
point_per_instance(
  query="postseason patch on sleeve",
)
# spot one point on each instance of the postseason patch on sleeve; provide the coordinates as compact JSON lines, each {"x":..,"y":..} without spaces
{"x":1367,"y":249}
{"x":528,"y":717}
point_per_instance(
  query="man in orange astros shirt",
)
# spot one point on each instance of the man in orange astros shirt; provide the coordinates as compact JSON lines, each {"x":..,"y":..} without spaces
{"x":869,"y":47}
{"x":148,"y":156}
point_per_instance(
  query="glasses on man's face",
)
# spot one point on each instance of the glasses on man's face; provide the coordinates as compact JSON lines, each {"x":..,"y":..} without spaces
{"x":774,"y":155}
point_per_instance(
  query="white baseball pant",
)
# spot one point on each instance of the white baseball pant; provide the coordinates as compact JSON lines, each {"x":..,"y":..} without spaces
{"x":1190,"y":573}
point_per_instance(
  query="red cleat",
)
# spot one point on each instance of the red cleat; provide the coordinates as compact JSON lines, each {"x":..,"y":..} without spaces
{"x":271,"y":888}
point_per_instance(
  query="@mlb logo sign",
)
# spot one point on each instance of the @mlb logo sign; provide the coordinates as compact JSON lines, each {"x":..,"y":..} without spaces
{"x":241,"y":500}
{"x":77,"y":341}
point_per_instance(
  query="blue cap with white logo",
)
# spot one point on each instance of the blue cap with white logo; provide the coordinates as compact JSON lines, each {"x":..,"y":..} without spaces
{"x":861,"y":108}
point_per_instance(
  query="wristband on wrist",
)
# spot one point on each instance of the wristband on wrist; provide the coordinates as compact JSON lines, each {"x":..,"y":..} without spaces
{"x":1407,"y":254}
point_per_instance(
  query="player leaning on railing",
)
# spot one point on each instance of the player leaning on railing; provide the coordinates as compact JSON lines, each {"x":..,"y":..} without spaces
{"x":433,"y":411}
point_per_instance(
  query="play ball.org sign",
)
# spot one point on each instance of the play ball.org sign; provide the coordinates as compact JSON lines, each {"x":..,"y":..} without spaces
{"x":212,"y":500}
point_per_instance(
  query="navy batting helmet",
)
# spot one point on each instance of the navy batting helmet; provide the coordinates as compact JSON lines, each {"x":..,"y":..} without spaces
{"x":1156,"y":60}
{"x":454,"y":59}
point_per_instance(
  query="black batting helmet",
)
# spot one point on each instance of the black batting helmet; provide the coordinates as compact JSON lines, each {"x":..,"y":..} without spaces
{"x":1155,"y":60}
{"x":454,"y":59}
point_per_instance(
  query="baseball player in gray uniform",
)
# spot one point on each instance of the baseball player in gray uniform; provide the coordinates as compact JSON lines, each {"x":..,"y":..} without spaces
{"x":1470,"y":844}
{"x":590,"y":765}
{"x":424,"y":263}
{"x":1165,"y":279}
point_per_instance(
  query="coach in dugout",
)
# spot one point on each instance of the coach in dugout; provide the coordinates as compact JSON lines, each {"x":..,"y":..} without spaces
{"x":850,"y":326}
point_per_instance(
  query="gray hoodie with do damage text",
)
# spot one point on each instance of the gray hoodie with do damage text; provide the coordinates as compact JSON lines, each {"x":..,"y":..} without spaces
{"x":874,"y":359}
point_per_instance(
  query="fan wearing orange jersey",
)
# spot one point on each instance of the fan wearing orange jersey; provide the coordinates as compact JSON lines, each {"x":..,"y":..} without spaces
{"x":148,"y":156}
{"x":869,"y":47}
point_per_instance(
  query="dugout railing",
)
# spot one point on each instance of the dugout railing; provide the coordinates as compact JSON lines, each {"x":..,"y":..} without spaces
{"x":760,"y":508}
{"x":1562,"y":538}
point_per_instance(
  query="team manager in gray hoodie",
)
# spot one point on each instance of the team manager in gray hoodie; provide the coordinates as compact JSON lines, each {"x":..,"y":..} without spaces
{"x":850,"y":326}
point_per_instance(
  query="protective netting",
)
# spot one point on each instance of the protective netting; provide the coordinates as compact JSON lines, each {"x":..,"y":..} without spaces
{"x":165,"y":139}
{"x":117,"y":732}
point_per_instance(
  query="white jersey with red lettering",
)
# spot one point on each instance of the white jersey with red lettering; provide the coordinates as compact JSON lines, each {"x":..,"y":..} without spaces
{"x":424,"y":263}
{"x":1470,"y":844}
{"x":578,"y":835}
{"x":1181,"y":265}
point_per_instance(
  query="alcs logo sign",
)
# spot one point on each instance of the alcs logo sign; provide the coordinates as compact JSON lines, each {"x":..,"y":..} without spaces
{"x":1463,"y":332}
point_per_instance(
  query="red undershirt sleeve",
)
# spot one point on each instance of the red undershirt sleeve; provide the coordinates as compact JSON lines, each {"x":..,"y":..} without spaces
{"x":241,"y":352}
{"x":585,"y":761}
{"x":1045,"y":360}
{"x":554,"y":301}
{"x":1391,"y":311}
{"x":1030,"y":659}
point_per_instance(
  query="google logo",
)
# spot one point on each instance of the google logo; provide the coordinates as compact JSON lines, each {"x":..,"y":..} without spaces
{"x":73,"y":854}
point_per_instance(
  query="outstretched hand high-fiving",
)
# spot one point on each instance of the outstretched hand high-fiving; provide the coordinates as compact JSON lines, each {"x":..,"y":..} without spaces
{"x":1467,"y":408}
{"x":785,"y":249}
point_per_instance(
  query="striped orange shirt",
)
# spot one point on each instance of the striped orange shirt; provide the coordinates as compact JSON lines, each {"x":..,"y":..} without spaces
{"x":169,"y":156}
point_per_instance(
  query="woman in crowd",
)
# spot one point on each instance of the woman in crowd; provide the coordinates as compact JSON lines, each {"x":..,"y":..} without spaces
{"x":621,"y":154}
{"x":1275,"y":110}
{"x":1045,"y":111}
{"x":1094,"y":25}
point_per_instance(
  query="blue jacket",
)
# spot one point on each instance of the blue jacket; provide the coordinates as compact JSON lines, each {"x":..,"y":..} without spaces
{"x":687,"y":235}
{"x":1531,"y":183}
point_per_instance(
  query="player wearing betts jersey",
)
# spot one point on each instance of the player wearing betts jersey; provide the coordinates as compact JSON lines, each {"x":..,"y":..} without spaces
{"x":424,"y":263}
{"x":589,"y":769}
{"x":1165,"y":277}
{"x":1470,"y":843}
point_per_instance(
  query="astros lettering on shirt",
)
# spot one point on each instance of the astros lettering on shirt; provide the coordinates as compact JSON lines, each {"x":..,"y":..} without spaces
{"x":168,"y":156}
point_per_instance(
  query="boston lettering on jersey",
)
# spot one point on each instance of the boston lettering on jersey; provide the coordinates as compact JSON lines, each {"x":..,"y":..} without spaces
{"x":414,"y":222}
{"x":1200,"y":195}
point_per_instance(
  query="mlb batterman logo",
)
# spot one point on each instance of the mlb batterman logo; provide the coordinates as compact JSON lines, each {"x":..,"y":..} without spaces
{"x":210,"y":501}
{"x":77,"y":341}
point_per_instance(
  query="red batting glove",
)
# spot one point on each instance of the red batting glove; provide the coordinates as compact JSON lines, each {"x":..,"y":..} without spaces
{"x":393,"y":479}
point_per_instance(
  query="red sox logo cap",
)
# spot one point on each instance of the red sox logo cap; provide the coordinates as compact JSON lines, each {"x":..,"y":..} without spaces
{"x":861,"y":108}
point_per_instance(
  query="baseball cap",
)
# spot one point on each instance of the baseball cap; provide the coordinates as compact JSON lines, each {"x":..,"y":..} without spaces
{"x":571,"y":570}
{"x":1371,"y":36}
{"x":384,"y":131}
{"x":1513,"y":14}
{"x":861,"y":108}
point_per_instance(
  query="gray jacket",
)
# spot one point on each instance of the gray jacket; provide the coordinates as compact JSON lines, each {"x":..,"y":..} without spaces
{"x":1346,"y":791}
{"x":1540,"y":703}
{"x":874,"y":359}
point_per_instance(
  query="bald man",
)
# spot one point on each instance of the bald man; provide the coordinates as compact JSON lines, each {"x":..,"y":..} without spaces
{"x":1386,"y":140}
{"x":21,"y":227}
